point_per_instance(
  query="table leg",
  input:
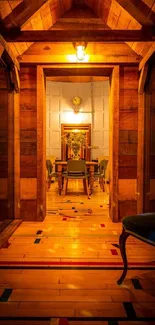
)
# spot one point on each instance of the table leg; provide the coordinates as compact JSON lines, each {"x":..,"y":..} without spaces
{"x":60,"y":178}
{"x":91,"y":171}
{"x":122,"y":241}
{"x":48,"y":182}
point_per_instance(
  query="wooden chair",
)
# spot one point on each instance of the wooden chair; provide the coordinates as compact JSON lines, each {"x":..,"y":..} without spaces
{"x":76,"y":169}
{"x":101,"y":174}
{"x":50,"y":173}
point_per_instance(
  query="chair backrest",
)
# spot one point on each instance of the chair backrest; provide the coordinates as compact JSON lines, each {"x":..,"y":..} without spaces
{"x":103,"y":166}
{"x":56,"y":166}
{"x":49,"y":166}
{"x":76,"y":167}
{"x":96,"y":167}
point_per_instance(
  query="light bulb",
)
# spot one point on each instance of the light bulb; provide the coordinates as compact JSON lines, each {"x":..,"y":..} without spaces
{"x":80,"y":52}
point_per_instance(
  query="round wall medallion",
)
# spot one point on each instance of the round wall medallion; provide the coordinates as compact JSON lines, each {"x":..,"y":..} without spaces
{"x":76,"y":100}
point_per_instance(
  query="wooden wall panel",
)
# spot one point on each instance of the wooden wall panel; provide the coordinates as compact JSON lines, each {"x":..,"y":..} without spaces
{"x":28,"y":143}
{"x":128,"y":140}
{"x":150,"y":132}
{"x":28,"y":209}
{"x":127,"y":189}
{"x":128,"y":99}
{"x":3,"y":145}
{"x":28,"y":165}
{"x":127,"y":208}
{"x":28,"y":188}
{"x":3,"y":188}
{"x":3,"y":209}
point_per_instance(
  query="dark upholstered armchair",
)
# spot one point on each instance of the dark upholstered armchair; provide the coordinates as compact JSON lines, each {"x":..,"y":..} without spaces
{"x":141,"y":226}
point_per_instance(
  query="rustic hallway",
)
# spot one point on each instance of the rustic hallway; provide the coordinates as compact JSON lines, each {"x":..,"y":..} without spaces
{"x":65,"y":269}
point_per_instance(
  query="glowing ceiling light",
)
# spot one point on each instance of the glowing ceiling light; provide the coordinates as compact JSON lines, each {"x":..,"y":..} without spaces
{"x":80,"y":50}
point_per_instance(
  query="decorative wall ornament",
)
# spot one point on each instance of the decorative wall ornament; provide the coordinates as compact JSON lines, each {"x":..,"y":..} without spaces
{"x":76,"y":140}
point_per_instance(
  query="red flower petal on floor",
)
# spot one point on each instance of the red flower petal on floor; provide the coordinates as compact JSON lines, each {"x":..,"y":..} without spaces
{"x":114,"y":252}
{"x":63,"y":321}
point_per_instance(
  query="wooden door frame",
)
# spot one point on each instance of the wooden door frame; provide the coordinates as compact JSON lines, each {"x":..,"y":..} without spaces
{"x":111,"y":71}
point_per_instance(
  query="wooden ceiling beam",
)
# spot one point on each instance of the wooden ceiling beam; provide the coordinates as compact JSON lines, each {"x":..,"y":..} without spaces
{"x":109,"y":59}
{"x":7,"y":48}
{"x":150,"y":52}
{"x":143,"y":35}
{"x":134,"y":11}
{"x":78,"y":71}
{"x":22,"y":13}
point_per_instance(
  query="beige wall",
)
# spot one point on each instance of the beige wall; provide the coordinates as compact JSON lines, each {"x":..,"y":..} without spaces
{"x":93,"y":110}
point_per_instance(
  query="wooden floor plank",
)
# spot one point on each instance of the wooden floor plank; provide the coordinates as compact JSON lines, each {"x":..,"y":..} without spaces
{"x":86,"y":238}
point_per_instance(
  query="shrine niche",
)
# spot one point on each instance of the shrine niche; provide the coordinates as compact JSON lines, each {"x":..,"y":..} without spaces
{"x":66,"y":151}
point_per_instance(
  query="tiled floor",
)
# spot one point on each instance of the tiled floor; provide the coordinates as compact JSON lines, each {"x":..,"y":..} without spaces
{"x":65,"y":269}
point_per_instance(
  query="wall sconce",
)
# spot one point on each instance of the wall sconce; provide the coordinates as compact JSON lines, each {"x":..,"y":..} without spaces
{"x":80,"y":50}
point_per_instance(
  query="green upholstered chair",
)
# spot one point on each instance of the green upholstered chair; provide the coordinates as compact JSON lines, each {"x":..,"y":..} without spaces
{"x":141,"y":226}
{"x":50,"y":173}
{"x":101,"y":174}
{"x":76,"y":169}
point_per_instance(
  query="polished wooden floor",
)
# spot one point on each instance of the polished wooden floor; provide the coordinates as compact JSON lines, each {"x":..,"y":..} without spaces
{"x":64,"y":270}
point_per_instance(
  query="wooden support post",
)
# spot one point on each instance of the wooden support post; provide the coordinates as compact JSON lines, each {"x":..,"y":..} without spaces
{"x":140,"y":153}
{"x":16,"y":155}
{"x":15,"y":78}
{"x":41,"y":145}
{"x":10,"y":155}
{"x":114,"y":143}
{"x":142,"y":79}
{"x":13,"y":156}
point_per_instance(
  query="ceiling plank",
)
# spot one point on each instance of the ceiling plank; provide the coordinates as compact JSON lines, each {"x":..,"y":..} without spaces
{"x":85,"y":36}
{"x":22,"y":13}
{"x":130,"y":7}
{"x":9,"y":51}
{"x":147,"y":56}
{"x":78,"y":26}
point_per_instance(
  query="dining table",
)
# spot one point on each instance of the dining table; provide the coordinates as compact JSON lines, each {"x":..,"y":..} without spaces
{"x":62,"y":165}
